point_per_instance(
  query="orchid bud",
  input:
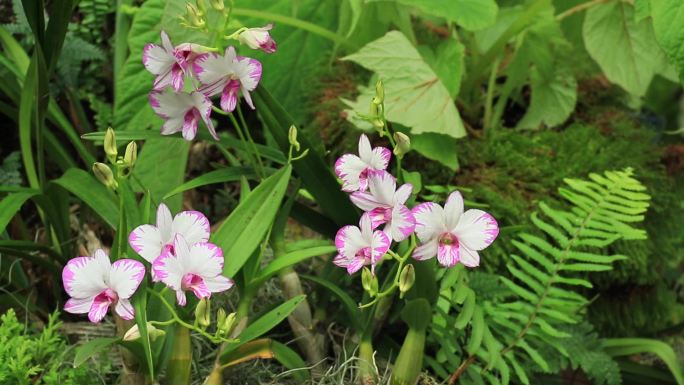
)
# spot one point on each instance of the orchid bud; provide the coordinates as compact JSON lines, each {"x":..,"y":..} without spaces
{"x":379,"y":92}
{"x":258,"y":38}
{"x":217,"y":4}
{"x":369,"y":282}
{"x":133,"y":334}
{"x":403,"y":144}
{"x":203,"y":313}
{"x":104,"y":174}
{"x":195,"y":16}
{"x":226,"y":325}
{"x":406,"y":279}
{"x":131,"y":154}
{"x":201,"y":6}
{"x":292,"y":137}
{"x":110,"y":145}
{"x":220,"y":317}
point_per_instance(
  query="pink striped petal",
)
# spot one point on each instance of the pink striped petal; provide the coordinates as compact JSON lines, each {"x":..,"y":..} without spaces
{"x":380,"y":158}
{"x":430,"y":222}
{"x":349,"y":168}
{"x":349,"y":241}
{"x":403,"y":193}
{"x":402,"y":224}
{"x":79,"y":306}
{"x":124,"y":309}
{"x":469,"y":258}
{"x":476,"y":229}
{"x":218,"y":284}
{"x":98,"y":310}
{"x":426,"y":251}
{"x":448,"y":255}
{"x":125,"y":277}
{"x":85,"y":277}
{"x":181,"y":298}
{"x":365,"y":200}
{"x":193,"y":225}
{"x":379,"y":246}
{"x":146,"y":241}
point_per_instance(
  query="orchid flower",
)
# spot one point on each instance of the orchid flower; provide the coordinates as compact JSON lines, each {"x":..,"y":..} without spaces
{"x":94,"y":284}
{"x":182,"y":112}
{"x":385,"y":204}
{"x":152,"y":241}
{"x":196,"y":267}
{"x":258,"y":38}
{"x":360,"y":246}
{"x":451,"y":234}
{"x":226,"y":75}
{"x":353,"y":170}
{"x":169,"y":63}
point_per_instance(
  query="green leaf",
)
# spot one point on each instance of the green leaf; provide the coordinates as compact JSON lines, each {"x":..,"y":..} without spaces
{"x":293,"y":258}
{"x":262,"y":325}
{"x":470,"y":14}
{"x":244,"y":229}
{"x":668,"y":23}
{"x":414,"y":95}
{"x":626,"y":50}
{"x":161,"y":168}
{"x":553,"y":100}
{"x":140,"y":305}
{"x":227,"y":174}
{"x":291,"y":360}
{"x":92,"y":348}
{"x":11,"y":204}
{"x":93,"y":193}
{"x":350,"y":306}
{"x":628,"y":346}
{"x":438,"y":147}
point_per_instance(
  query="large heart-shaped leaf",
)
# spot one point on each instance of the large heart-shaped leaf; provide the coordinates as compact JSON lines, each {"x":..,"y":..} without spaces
{"x":414,"y":95}
{"x":469,"y":14}
{"x":668,"y":22}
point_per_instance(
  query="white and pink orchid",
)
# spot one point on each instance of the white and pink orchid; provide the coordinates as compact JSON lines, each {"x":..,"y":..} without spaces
{"x":152,"y":241}
{"x":170,"y":64}
{"x":360,"y":246}
{"x":385,"y":204}
{"x":353,"y":169}
{"x":182,"y":111}
{"x":94,"y":284}
{"x":227,"y":75}
{"x":197,"y":267}
{"x":451,"y":234}
{"x":258,"y":38}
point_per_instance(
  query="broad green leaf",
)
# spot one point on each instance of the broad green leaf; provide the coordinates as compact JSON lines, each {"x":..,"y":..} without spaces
{"x":448,"y":64}
{"x":668,"y":23}
{"x":470,"y":14}
{"x":92,"y":348}
{"x":93,"y":193}
{"x":244,"y":229}
{"x":228,"y":174}
{"x":11,"y":204}
{"x":438,"y":147}
{"x":626,"y":50}
{"x":642,"y":9}
{"x":293,"y":258}
{"x":161,"y":167}
{"x":414,"y":95}
{"x":553,"y":100}
{"x":617,"y":347}
{"x":262,"y":325}
{"x":291,"y":360}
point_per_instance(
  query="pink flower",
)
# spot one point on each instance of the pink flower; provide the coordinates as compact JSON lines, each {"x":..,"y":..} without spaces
{"x":227,"y":75}
{"x":258,"y":38}
{"x":353,"y":170}
{"x":385,"y":204}
{"x":182,"y":112}
{"x":94,"y":283}
{"x":152,"y":241}
{"x":195,"y":267}
{"x":451,"y":234}
{"x":360,"y":246}
{"x":169,"y":63}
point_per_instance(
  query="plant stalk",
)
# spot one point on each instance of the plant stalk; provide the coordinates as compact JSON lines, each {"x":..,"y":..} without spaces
{"x":409,"y":363}
{"x":179,"y":366}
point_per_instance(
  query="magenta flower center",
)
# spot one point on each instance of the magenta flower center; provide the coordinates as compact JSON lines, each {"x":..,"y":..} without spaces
{"x":364,"y":253}
{"x":192,"y":116}
{"x":107,"y":295}
{"x":448,"y":239}
{"x":169,"y":248}
{"x":191,"y":281}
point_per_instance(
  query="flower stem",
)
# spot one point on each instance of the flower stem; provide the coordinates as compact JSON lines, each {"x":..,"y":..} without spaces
{"x":178,"y":369}
{"x":251,"y":141}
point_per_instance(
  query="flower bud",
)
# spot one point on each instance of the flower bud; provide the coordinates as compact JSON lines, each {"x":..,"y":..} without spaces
{"x":369,"y":282}
{"x":292,"y":137}
{"x":379,"y":92}
{"x":203,"y":313}
{"x":201,"y":6}
{"x":217,"y":4}
{"x":195,"y":16}
{"x":110,"y":145}
{"x":133,"y":333}
{"x":258,"y":38}
{"x":406,"y":278}
{"x":220,"y":317}
{"x":226,"y":325}
{"x":131,"y":154}
{"x":104,"y":174}
{"x":403,"y":144}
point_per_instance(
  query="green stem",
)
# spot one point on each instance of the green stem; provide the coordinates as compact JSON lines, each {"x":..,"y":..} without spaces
{"x":491,"y":85}
{"x":297,"y":23}
{"x":366,"y":360}
{"x":251,"y":142}
{"x":579,"y":8}
{"x":178,"y":369}
{"x":409,"y":363}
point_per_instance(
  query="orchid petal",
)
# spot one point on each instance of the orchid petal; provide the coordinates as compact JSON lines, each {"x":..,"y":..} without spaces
{"x":98,"y":310}
{"x":402,"y":194}
{"x":469,"y":257}
{"x":164,"y":223}
{"x":193,"y":225}
{"x":426,"y":251}
{"x":382,"y":186}
{"x":349,"y":241}
{"x":365,"y":201}
{"x":79,"y":305}
{"x":125,"y":277}
{"x":429,"y":221}
{"x":85,"y":277}
{"x":476,"y":229}
{"x":124,"y":309}
{"x":453,"y":209}
{"x":402,"y":224}
{"x":349,"y":168}
{"x":146,"y":241}
{"x":448,"y":255}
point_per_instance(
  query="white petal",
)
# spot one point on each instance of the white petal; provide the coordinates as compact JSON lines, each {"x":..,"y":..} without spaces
{"x":193,"y":225}
{"x":426,"y":251}
{"x":402,"y":194}
{"x":170,"y":105}
{"x":248,"y":71}
{"x":365,"y":201}
{"x":166,"y":41}
{"x":380,"y":158}
{"x":365,"y":152}
{"x":79,"y":306}
{"x":172,"y":126}
{"x":164,"y":223}
{"x":218,"y":284}
{"x":125,"y":277}
{"x":85,"y":277}
{"x":168,"y":269}
{"x":469,"y":258}
{"x":212,"y":68}
{"x":430,"y":222}
{"x":157,"y":60}
{"x":448,"y":255}
{"x":476,"y":229}
{"x":349,"y":241}
{"x":402,"y":223}
{"x":453,"y":209}
{"x":206,"y":260}
{"x":182,"y":250}
{"x":382,"y":186}
{"x":348,"y":168}
{"x":366,"y":226}
{"x":146,"y":241}
{"x":124,"y":308}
